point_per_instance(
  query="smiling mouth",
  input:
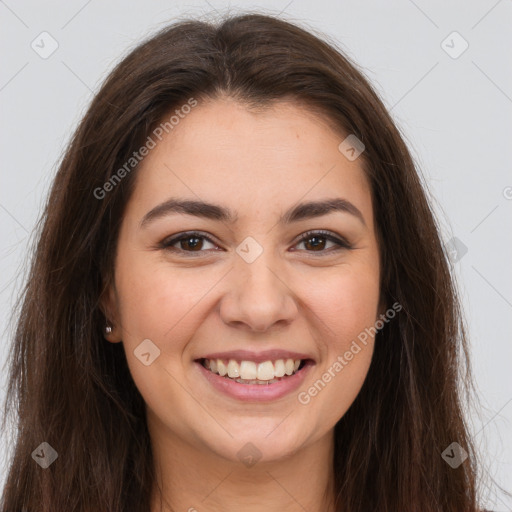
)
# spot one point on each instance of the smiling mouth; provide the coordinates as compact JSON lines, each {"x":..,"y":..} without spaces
{"x":249,"y":372}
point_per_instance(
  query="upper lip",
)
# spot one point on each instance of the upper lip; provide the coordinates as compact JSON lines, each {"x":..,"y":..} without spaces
{"x":257,"y":357}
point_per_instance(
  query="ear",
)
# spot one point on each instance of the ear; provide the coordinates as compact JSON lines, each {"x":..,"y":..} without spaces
{"x":108,"y":304}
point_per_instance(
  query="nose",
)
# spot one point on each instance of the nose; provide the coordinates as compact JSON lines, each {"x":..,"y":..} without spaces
{"x":258,"y":296}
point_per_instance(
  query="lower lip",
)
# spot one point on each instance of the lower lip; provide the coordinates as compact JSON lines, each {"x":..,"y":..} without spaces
{"x":256,"y":392}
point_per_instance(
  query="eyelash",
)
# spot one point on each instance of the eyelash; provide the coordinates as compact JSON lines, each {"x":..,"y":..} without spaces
{"x":167,"y":244}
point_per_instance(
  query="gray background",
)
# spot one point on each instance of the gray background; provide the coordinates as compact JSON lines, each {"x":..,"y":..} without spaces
{"x":454,"y":112}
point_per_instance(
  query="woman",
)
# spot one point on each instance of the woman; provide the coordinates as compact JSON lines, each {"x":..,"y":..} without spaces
{"x":239,"y":298}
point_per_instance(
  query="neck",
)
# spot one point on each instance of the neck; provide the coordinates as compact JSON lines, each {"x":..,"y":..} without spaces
{"x":195,"y":479}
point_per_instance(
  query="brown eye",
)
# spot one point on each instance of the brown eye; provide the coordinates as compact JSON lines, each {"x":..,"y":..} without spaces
{"x":315,"y":241}
{"x":188,"y":243}
{"x":191,"y":242}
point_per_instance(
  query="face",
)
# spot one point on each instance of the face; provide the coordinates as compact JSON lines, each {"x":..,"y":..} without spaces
{"x":275,"y":282}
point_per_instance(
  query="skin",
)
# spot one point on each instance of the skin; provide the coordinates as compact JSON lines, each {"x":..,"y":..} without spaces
{"x":293,"y":296}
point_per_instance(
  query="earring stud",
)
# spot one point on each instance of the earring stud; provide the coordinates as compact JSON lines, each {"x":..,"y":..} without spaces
{"x":108,"y":329}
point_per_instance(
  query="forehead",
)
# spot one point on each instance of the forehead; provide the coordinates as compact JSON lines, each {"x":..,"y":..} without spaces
{"x":223,"y":152}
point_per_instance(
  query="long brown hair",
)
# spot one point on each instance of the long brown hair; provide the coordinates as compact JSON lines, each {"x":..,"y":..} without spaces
{"x":70,"y":388}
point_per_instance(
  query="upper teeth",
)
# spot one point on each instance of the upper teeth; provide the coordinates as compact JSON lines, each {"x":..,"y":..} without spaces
{"x":249,"y":370}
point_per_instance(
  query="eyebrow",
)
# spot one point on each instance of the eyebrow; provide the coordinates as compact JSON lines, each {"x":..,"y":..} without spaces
{"x":303,"y":211}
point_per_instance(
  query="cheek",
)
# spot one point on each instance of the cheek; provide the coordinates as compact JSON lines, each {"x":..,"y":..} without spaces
{"x":159,"y":304}
{"x":155,"y":301}
{"x":345,"y":302}
{"x":153,"y":306}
